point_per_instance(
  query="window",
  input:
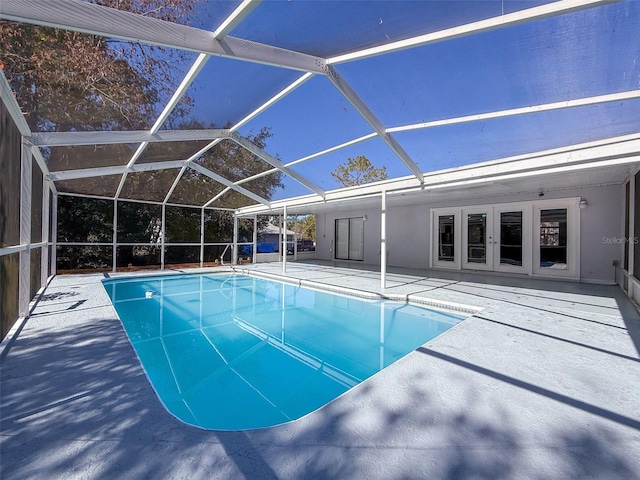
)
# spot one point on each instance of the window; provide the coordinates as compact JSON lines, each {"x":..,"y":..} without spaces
{"x":350,"y":238}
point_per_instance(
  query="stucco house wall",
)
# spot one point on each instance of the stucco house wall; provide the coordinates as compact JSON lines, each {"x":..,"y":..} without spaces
{"x":409,"y":229}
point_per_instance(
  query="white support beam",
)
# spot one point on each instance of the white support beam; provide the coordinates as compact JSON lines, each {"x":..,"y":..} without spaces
{"x":257,"y":175}
{"x":228,"y":183}
{"x":345,"y":89}
{"x":54,"y":234}
{"x":255,"y":239}
{"x":114,"y":263}
{"x":6,"y":96}
{"x":61,"y":139}
{"x":202,"y":238}
{"x":383,"y":242}
{"x":197,"y":66}
{"x":277,"y":97}
{"x":37,"y":155}
{"x":239,"y":14}
{"x":175,"y":184}
{"x":44,"y":259}
{"x":108,"y":22}
{"x":219,"y":195}
{"x":284,"y":245}
{"x":579,"y":102}
{"x":234,"y":258}
{"x":242,"y":141}
{"x":332,"y":149}
{"x":24,"y":279}
{"x":511,"y":19}
{"x":163,"y":237}
{"x":114,"y":170}
{"x":188,"y":162}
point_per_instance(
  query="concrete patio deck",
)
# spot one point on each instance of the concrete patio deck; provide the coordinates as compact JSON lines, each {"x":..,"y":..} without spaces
{"x":543,"y":383}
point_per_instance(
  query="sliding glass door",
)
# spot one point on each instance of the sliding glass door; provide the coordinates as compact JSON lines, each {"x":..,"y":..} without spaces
{"x":349,"y":238}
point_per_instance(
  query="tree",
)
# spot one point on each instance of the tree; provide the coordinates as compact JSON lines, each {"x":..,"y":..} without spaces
{"x":307,"y":228}
{"x":358,"y":171}
{"x":67,"y":80}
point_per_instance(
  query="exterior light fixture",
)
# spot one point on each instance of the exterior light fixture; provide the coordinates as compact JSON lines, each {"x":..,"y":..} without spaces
{"x":583,"y":204}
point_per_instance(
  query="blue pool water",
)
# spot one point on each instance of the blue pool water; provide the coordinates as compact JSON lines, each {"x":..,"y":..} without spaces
{"x":231,"y":352}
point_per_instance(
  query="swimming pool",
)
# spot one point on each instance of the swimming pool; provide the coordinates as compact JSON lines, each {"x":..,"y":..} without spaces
{"x":232,"y":352}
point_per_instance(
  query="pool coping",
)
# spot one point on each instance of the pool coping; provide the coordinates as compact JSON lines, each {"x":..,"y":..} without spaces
{"x":410,"y":298}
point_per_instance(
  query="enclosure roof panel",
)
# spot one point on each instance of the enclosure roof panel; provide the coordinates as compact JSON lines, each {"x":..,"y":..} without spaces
{"x":241,"y":103}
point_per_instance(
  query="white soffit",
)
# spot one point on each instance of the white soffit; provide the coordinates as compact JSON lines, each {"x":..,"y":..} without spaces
{"x":616,"y":152}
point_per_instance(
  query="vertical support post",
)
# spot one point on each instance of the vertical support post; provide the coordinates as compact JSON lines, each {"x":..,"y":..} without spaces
{"x":234,"y":251}
{"x":280,"y":235}
{"x":115,"y":236}
{"x":383,"y":242}
{"x":163,"y":234}
{"x":54,"y":235}
{"x":44,"y":262}
{"x":283,"y":309}
{"x":202,"y":239}
{"x":284,"y":242}
{"x":295,"y":238}
{"x":255,"y":238}
{"x":24,"y":291}
{"x":633,"y":234}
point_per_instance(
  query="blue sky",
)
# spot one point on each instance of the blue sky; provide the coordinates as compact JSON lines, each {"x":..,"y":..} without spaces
{"x":593,"y":52}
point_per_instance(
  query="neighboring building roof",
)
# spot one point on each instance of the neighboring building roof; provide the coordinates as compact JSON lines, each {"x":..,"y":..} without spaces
{"x":271,"y":229}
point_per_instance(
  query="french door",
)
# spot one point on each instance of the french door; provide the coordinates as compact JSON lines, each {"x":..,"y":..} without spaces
{"x":525,"y":237}
{"x":496,"y":238}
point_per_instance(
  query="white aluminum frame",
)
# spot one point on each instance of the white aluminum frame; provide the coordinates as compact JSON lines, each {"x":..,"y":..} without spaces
{"x":102,"y":21}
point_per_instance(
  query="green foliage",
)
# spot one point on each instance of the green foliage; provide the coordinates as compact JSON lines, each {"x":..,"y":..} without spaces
{"x":84,"y":220}
{"x":358,"y":171}
{"x":307,"y":227}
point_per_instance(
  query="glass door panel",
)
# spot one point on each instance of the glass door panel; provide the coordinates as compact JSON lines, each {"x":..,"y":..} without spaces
{"x":356,"y":239}
{"x":477,"y":238}
{"x":553,"y":238}
{"x":513,"y":243}
{"x":511,"y":238}
{"x":556,"y":239}
{"x":342,"y":238}
{"x":446,"y":238}
{"x":477,"y":241}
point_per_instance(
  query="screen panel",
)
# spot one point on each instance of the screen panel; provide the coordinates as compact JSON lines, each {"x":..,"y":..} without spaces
{"x":10,"y":195}
{"x":96,"y":224}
